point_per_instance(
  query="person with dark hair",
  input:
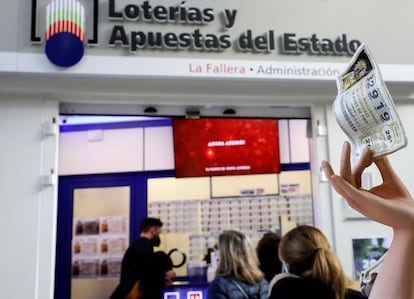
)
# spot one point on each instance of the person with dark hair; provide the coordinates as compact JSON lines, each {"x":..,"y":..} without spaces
{"x":267,"y":252}
{"x":150,"y":223}
{"x":144,"y":273}
{"x":314,"y":270}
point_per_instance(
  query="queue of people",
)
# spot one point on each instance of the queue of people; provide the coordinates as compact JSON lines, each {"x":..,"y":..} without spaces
{"x":302,"y":264}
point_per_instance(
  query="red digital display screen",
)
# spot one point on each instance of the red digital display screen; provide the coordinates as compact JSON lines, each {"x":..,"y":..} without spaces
{"x":222,"y":146}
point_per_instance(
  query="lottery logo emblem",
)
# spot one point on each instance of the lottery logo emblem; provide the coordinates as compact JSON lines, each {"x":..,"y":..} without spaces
{"x":65,"y":32}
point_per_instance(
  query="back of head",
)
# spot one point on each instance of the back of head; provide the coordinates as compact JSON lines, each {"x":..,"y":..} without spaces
{"x":149,"y":222}
{"x":267,"y":253}
{"x":307,"y":253}
{"x":238,"y":257}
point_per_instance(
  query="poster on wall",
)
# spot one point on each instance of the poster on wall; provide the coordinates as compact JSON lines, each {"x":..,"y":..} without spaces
{"x":98,"y":245}
{"x":367,"y":252}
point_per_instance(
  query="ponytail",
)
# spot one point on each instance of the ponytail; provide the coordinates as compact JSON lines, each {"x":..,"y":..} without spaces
{"x":306,"y":250}
{"x":327,"y":268}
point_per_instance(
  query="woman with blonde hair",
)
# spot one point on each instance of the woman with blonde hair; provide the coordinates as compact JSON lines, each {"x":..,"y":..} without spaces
{"x":316,"y":271}
{"x":238,"y":275}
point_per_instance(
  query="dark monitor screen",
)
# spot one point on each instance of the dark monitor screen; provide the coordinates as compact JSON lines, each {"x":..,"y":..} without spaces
{"x":223,"y":146}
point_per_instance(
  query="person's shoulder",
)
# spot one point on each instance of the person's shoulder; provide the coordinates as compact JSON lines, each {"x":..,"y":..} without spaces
{"x":141,"y":242}
{"x":259,"y":289}
{"x":217,"y":288}
{"x":354,"y":294}
{"x":216,"y":280}
{"x":263,"y":282}
{"x":220,"y":280}
{"x":225,"y":281}
{"x":217,"y":284}
{"x":140,"y":246}
{"x":284,"y":286}
{"x":289,"y":286}
{"x":283,"y":278}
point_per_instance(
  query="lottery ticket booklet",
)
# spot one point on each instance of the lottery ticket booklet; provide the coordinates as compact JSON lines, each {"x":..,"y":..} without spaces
{"x":364,"y":108}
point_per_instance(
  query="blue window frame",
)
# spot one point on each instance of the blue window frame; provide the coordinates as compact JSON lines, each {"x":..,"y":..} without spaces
{"x":67,"y":184}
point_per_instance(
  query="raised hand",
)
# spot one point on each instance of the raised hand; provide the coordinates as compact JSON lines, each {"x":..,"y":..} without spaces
{"x":389,"y":203}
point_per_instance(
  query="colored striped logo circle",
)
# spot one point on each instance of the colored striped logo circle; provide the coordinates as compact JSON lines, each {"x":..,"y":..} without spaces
{"x":65,"y":32}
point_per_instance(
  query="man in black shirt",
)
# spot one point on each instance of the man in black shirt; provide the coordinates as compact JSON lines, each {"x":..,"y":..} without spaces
{"x":141,"y":264}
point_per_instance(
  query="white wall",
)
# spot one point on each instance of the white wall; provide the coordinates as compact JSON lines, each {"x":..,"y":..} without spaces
{"x":114,"y":151}
{"x":27,"y":209}
{"x":117,"y":150}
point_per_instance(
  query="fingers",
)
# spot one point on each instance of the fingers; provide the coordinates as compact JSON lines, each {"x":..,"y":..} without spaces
{"x":345,"y":169}
{"x":327,"y":169}
{"x":353,"y":175}
{"x":351,"y":194}
{"x":386,"y":170}
{"x":390,"y":178}
{"x":337,"y":182}
{"x":342,"y":187}
{"x":364,"y":162}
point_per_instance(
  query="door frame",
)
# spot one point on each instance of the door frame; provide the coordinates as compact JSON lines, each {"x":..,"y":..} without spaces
{"x":137,"y":181}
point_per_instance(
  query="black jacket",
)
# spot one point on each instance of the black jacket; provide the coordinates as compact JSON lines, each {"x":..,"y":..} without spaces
{"x":299,"y":288}
{"x":141,"y":263}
